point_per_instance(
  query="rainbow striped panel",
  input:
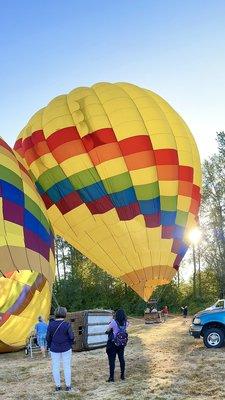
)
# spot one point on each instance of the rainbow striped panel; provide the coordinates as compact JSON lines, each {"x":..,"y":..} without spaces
{"x":26,"y":237}
{"x":27,"y":264}
{"x":24,"y":296}
{"x":119,"y":173}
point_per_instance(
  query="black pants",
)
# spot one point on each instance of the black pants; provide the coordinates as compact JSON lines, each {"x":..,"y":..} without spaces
{"x":112,"y":350}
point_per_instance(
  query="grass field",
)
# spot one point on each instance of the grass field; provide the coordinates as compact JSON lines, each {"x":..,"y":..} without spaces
{"x":163,"y":363}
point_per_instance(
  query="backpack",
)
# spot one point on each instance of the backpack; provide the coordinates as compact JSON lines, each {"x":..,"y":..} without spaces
{"x":121,"y":338}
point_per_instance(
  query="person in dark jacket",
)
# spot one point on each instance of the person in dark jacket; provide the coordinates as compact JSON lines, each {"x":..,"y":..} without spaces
{"x":184,"y":311}
{"x":60,"y":339}
{"x":119,"y":321}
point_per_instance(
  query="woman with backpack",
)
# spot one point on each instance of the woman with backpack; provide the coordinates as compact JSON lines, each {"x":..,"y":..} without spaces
{"x":117,"y":340}
{"x":60,"y":338}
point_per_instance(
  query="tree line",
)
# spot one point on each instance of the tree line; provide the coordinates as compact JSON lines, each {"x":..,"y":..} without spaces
{"x":80,"y":284}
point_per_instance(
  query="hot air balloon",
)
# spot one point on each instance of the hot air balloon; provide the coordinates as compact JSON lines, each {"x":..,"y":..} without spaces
{"x":24,"y":296}
{"x":119,"y":173}
{"x":26,"y":253}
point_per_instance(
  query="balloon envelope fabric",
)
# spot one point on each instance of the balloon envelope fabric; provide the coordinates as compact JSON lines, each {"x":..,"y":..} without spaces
{"x":119,"y":172}
{"x":24,"y":296}
{"x":26,"y":238}
{"x":26,"y":245}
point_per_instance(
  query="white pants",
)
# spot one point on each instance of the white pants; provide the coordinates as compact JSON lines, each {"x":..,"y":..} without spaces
{"x":65,"y":357}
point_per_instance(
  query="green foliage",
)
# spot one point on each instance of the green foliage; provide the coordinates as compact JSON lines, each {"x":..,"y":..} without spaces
{"x":169,"y":295}
{"x":82,"y":285}
{"x":213,"y":214}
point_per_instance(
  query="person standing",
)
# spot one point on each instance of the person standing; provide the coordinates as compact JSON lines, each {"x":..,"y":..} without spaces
{"x":165,"y":313}
{"x":184,"y":311}
{"x":117,"y":340}
{"x":60,"y":339}
{"x":41,"y":332}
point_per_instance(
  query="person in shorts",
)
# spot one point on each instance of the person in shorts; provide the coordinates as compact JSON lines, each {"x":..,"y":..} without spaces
{"x":41,"y":332}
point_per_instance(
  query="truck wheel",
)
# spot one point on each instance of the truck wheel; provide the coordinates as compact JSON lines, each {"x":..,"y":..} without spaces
{"x":213,"y":338}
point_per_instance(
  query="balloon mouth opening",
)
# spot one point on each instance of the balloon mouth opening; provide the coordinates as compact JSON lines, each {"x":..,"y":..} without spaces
{"x":144,"y":281}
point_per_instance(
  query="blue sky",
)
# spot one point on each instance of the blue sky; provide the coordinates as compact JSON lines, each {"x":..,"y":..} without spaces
{"x":175,"y":48}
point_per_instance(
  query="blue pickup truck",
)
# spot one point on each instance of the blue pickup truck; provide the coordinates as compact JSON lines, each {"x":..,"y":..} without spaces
{"x":210,"y":325}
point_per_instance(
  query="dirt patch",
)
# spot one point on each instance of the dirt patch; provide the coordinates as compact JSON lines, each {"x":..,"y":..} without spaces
{"x":163,"y":363}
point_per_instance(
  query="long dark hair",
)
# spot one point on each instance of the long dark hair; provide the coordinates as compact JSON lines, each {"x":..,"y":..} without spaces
{"x":120,"y":316}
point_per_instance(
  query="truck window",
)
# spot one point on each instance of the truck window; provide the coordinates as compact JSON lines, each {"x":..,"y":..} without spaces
{"x":219,"y":304}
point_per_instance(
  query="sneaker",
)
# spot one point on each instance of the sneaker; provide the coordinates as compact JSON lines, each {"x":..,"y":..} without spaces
{"x":110,"y":380}
{"x":122,"y":377}
{"x":71,"y":389}
{"x":57,"y":388}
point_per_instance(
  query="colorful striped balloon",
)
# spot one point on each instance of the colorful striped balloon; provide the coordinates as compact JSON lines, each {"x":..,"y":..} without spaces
{"x":27,"y":265}
{"x":119,"y":172}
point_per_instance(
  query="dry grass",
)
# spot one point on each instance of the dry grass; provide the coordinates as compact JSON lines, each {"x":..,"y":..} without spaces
{"x":163,"y":363}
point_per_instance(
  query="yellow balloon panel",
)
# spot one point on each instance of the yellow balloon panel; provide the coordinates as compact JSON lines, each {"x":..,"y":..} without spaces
{"x":24,"y":296}
{"x":119,"y":172}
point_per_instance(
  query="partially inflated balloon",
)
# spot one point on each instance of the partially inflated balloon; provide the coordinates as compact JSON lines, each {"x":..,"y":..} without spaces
{"x":26,"y":253}
{"x":24,"y":296}
{"x":119,"y":172}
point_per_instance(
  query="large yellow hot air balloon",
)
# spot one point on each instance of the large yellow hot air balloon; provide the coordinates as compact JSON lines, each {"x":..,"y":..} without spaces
{"x":119,"y":172}
{"x":26,"y":253}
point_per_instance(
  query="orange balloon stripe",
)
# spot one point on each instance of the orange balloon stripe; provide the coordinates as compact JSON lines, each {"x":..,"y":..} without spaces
{"x":102,"y":146}
{"x":185,"y":188}
{"x":137,"y":151}
{"x":140,"y":160}
{"x":68,"y":150}
{"x":104,"y":153}
{"x":167,"y":172}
